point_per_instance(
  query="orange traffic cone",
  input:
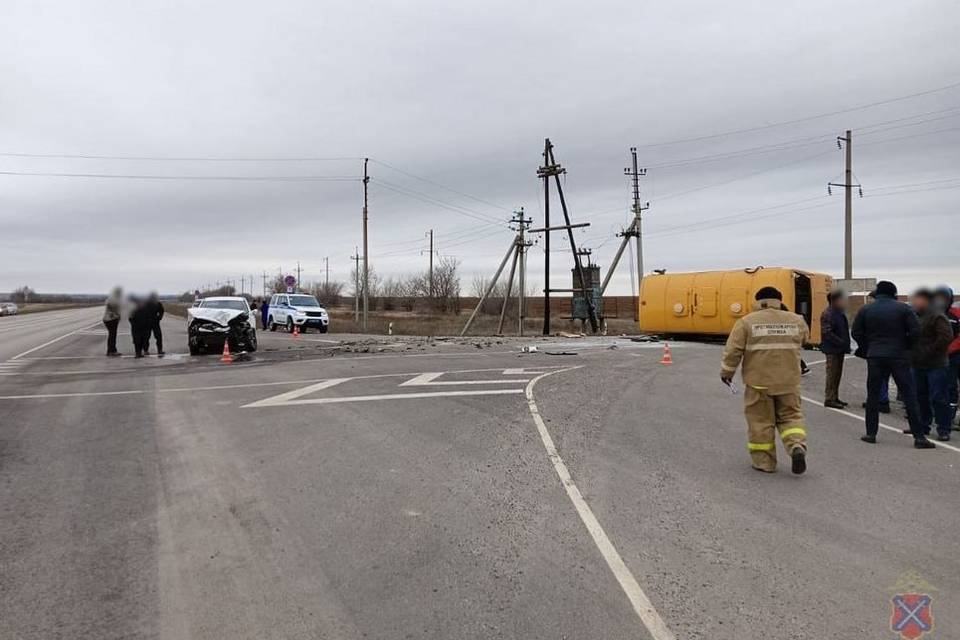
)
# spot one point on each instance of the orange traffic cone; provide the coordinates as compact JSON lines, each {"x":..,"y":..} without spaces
{"x":226,"y":357}
{"x":296,"y":332}
{"x":667,"y":358}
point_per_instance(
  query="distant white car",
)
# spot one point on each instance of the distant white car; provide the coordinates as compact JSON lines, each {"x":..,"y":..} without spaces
{"x":297,"y":309}
{"x":215,"y":320}
{"x":8,"y":309}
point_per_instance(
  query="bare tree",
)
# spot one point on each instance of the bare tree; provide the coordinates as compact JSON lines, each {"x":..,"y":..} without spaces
{"x":23,"y":294}
{"x":328,"y":293}
{"x":446,"y":285}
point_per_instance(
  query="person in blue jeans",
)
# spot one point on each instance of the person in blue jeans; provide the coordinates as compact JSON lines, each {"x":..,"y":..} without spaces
{"x":931,"y":366}
{"x":886,"y":331}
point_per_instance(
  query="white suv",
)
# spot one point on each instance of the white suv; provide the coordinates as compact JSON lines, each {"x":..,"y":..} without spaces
{"x":302,"y":310}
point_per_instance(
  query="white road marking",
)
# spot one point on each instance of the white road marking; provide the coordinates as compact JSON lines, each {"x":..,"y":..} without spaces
{"x":429,"y":380}
{"x":641,"y":603}
{"x":385,"y":396}
{"x":882,"y":426}
{"x":50,"y":342}
{"x":290,"y":396}
{"x":40,"y":396}
{"x":226,"y":387}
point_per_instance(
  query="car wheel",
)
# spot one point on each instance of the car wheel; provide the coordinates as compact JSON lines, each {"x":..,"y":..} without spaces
{"x":290,"y":325}
{"x":322,"y":328}
{"x":271,"y":324}
{"x":194,"y":350}
{"x":252,"y":343}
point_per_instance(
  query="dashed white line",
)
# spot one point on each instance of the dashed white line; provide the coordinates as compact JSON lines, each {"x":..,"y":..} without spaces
{"x":641,"y":603}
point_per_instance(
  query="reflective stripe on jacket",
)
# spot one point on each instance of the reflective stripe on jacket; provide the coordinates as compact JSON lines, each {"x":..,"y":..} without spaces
{"x":767,"y":342}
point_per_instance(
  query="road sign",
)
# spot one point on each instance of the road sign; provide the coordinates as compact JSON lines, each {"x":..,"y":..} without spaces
{"x":855,"y":285}
{"x":290,"y":281}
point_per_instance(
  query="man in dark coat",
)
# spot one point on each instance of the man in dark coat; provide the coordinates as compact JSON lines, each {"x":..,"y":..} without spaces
{"x":889,"y":329}
{"x":835,"y":345}
{"x":139,"y":325}
{"x":154,"y":314}
{"x":931,"y":367}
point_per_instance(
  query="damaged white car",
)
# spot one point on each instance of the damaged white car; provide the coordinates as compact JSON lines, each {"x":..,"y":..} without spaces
{"x":219,"y":319}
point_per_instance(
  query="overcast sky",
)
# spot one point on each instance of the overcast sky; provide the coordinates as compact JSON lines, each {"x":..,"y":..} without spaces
{"x":462,"y":94}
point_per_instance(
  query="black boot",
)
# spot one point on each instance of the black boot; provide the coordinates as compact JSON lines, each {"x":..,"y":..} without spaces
{"x":923,"y":444}
{"x":869,"y":439}
{"x":799,"y":457}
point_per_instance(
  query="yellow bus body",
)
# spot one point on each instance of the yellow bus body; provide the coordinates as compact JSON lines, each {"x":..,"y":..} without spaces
{"x":708,"y":303}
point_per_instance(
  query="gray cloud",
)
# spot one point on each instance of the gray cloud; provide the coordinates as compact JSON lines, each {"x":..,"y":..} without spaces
{"x":463,"y":94}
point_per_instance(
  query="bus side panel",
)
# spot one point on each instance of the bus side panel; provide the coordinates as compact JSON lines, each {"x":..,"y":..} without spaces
{"x":706,"y":318}
{"x":653,"y":304}
{"x":820,"y":286}
{"x":736,"y":298}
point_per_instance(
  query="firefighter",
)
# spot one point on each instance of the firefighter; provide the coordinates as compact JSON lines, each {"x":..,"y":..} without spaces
{"x":768,"y":341}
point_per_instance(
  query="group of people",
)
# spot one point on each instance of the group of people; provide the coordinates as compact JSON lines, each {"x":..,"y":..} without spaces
{"x":915,"y":344}
{"x":144,"y":314}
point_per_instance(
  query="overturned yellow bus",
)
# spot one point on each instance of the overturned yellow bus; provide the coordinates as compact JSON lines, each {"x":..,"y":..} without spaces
{"x":708,"y":303}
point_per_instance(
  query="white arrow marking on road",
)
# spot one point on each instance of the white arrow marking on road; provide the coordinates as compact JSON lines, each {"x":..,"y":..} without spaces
{"x":386,"y":396}
{"x":428,"y":380}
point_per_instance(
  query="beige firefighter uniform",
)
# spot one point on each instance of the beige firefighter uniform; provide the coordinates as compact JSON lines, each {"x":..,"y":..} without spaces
{"x":768,"y":343}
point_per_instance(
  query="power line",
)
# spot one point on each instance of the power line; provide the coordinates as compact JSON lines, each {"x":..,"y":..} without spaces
{"x":419,"y":195}
{"x":782,"y":123}
{"x":166,"y":177}
{"x":442,"y":186}
{"x":84,"y":156}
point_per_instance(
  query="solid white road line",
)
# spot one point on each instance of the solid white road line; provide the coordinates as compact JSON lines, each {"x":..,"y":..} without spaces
{"x":50,"y":342}
{"x":882,"y":426}
{"x":641,"y":603}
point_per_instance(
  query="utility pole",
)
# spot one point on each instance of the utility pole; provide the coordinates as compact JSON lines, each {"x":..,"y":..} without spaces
{"x":848,"y":186}
{"x":326,"y":278}
{"x":366,"y":255}
{"x":635,"y":229}
{"x":546,"y":240}
{"x":356,"y":284}
{"x":264,"y":276}
{"x":637,"y":210}
{"x":552,"y":169}
{"x":298,"y":275}
{"x":521,"y":262}
{"x":431,"y":264}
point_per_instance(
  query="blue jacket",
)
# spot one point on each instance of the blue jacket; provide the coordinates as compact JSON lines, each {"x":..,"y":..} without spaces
{"x":886,"y":328}
{"x":834,"y":332}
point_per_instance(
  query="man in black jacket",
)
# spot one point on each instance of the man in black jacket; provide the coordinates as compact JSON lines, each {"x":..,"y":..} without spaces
{"x":931,"y":366}
{"x":154,"y":314}
{"x":889,"y":329}
{"x":835,"y":345}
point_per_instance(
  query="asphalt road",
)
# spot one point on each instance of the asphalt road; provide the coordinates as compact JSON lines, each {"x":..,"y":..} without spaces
{"x":342,"y":487}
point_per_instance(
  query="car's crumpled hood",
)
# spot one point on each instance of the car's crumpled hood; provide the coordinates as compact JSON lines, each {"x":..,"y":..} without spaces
{"x":219,"y":316}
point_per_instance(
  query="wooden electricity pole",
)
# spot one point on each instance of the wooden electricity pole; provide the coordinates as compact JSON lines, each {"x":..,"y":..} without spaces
{"x":550,"y":169}
{"x":848,"y":186}
{"x":635,"y":229}
{"x":356,"y":283}
{"x":431,"y":264}
{"x":366,"y":256}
